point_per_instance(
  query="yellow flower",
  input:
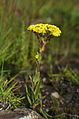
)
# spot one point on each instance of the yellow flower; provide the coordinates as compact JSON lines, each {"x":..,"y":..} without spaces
{"x":45,"y":29}
{"x":38,"y":57}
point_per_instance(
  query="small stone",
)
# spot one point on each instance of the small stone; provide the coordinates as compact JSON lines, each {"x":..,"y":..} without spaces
{"x":44,"y":79}
{"x":20,"y":114}
{"x":55,"y":95}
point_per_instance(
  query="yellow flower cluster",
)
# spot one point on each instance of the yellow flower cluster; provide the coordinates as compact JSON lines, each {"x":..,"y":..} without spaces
{"x":44,"y":29}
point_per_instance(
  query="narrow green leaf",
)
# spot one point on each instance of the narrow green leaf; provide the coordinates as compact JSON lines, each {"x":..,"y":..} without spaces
{"x":37,"y":90}
{"x":36,"y":77}
{"x":29,"y":100}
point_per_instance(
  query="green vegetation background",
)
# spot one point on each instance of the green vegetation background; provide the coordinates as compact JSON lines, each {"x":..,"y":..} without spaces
{"x":18,"y":46}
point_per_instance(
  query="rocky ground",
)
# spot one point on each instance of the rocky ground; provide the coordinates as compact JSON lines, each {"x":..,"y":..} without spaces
{"x":62,"y":99}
